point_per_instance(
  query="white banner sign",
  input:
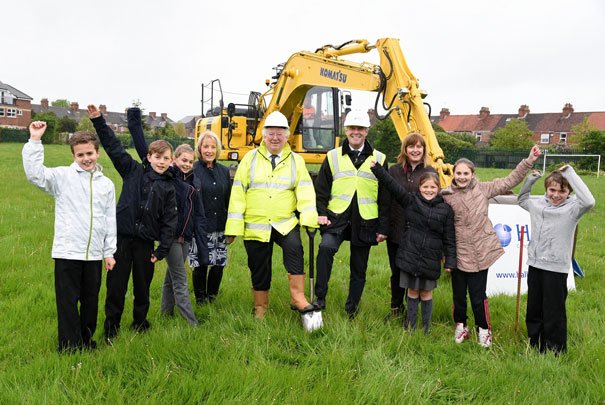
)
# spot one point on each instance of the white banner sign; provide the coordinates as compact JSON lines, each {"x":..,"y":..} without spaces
{"x":503,"y":275}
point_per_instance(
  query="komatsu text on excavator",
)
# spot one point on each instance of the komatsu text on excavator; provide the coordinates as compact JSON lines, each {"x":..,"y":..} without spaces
{"x":313,"y":89}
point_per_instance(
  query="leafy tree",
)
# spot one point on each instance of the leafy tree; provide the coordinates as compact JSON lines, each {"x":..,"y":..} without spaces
{"x":66,"y":124}
{"x":581,"y":130}
{"x":452,"y":146}
{"x":179,"y":129}
{"x":383,"y":136}
{"x":437,"y":127}
{"x":62,"y":102}
{"x":51,"y":125}
{"x":86,"y":125}
{"x":594,"y":142}
{"x":515,"y":135}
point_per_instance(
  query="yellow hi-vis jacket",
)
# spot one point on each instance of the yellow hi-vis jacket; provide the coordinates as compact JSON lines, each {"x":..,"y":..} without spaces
{"x":263,"y":198}
{"x":347,"y":180}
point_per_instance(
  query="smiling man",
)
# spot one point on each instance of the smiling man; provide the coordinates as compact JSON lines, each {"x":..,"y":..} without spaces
{"x":272,"y":184}
{"x":351,"y":206}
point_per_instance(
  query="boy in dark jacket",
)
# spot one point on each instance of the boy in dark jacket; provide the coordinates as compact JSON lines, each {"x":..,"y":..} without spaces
{"x":191,"y":222}
{"x":429,"y":236}
{"x":146,"y":212}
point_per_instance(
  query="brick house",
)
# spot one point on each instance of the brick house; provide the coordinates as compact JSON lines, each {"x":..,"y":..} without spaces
{"x":117,"y":121}
{"x":15,"y":107}
{"x":548,"y":128}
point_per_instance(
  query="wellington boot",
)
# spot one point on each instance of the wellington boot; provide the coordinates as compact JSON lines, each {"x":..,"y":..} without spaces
{"x":297,"y":292}
{"x":261,"y":303}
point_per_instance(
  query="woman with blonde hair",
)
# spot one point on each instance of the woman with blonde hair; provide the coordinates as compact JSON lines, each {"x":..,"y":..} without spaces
{"x":216,"y":188}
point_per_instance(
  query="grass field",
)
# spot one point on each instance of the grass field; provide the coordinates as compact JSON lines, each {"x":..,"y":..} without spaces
{"x":232,"y":358}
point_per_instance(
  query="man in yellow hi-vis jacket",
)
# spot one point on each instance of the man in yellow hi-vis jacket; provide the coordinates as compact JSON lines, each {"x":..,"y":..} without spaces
{"x":270,"y":185}
{"x":352,"y":206}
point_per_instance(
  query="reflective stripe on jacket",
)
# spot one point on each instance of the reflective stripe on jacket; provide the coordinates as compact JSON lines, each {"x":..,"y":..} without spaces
{"x":263,"y":198}
{"x":348,"y":181}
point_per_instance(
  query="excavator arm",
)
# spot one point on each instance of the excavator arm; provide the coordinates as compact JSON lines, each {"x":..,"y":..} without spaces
{"x":325,"y":69}
{"x":397,"y":88}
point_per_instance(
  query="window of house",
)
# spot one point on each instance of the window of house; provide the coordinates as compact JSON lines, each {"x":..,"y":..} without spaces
{"x":545,"y":138}
{"x":563,"y":137}
{"x":11,"y":112}
{"x":478,"y":136}
{"x":1,"y":112}
{"x":6,"y":97}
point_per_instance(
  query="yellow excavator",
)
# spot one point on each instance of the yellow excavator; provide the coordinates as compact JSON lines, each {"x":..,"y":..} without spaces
{"x":313,"y":89}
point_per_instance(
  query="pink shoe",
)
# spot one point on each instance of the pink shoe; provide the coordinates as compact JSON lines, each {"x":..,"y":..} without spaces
{"x":460,"y":333}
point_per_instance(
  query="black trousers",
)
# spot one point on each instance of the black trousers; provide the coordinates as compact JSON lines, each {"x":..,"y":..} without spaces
{"x":132,"y":255}
{"x":206,"y":282}
{"x":77,"y":281}
{"x":330,"y":243}
{"x":260,"y":255}
{"x":476,"y":284}
{"x":546,"y":316}
{"x":397,"y":293}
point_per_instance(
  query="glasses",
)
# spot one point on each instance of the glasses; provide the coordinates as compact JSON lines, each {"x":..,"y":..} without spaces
{"x":275,"y":134}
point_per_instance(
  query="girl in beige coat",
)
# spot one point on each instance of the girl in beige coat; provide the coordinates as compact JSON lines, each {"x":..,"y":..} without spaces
{"x":477,"y":246}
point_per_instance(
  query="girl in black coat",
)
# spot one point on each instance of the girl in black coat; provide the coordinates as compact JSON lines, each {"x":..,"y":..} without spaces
{"x":429,"y":236}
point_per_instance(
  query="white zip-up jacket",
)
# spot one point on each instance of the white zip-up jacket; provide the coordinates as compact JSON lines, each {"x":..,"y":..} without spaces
{"x":85,"y":206}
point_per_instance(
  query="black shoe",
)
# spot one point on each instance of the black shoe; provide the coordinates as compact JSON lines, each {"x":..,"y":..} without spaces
{"x":91,"y":345}
{"x":394,"y":314}
{"x":319,"y":303}
{"x":141,"y":327}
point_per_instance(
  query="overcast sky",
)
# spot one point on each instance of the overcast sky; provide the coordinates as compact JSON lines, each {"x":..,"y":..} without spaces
{"x":466,"y":54}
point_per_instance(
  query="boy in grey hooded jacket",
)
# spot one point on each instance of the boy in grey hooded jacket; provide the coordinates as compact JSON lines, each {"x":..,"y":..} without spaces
{"x":554,"y":218}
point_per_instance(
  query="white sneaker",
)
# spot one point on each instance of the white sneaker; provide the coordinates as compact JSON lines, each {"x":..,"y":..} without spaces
{"x":485,"y":337}
{"x":461,"y":333}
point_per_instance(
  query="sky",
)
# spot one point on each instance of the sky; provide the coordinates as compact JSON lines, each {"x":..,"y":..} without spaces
{"x":466,"y":54}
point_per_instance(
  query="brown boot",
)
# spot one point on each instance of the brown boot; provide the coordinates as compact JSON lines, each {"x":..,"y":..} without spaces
{"x":297,"y":293}
{"x":261,"y":303}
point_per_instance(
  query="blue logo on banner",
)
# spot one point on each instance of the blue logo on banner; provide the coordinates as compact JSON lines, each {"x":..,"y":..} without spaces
{"x":504,"y":234}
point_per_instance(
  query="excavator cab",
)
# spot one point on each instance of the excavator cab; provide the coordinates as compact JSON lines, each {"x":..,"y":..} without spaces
{"x":321,"y":118}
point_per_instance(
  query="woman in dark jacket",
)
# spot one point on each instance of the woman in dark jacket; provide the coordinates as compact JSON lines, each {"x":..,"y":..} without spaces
{"x":216,"y":188}
{"x":411,"y":164}
{"x":429,"y":236}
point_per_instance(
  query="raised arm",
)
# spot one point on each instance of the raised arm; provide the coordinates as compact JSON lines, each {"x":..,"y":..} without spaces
{"x":398,"y":192}
{"x":523,"y":197}
{"x":33,"y":160}
{"x":135,"y":127}
{"x":502,"y":186}
{"x":122,"y":161}
{"x":585,"y":198}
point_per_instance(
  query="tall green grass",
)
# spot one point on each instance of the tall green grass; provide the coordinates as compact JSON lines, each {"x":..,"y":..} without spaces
{"x":232,"y":358}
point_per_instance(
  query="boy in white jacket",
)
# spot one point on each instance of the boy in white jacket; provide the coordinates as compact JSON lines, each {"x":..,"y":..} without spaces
{"x":85,"y":231}
{"x":554,"y":218}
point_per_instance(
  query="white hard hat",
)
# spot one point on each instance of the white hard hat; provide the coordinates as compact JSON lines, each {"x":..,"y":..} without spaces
{"x":357,"y":119}
{"x":276,"y":120}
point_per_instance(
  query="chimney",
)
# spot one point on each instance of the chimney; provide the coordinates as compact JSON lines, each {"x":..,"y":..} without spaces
{"x":103,"y":109}
{"x":567,"y":110}
{"x":44,"y":103}
{"x":152,"y":114}
{"x":74,"y":106}
{"x":483,"y":112}
{"x":523,"y":111}
{"x":445,"y":112}
{"x":164,"y":116}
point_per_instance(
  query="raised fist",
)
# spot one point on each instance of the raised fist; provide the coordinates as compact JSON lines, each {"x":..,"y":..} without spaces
{"x":36,"y":130}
